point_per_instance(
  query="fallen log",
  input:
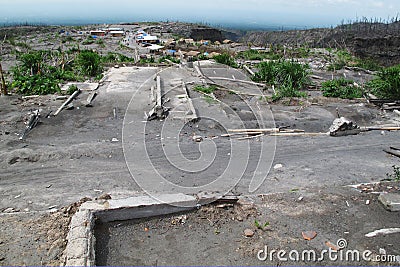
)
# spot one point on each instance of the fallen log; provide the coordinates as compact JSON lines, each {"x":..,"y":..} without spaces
{"x":380,"y":128}
{"x":241,"y":133}
{"x":90,"y":98}
{"x":250,"y":137}
{"x":77,"y":92}
{"x":300,"y":134}
{"x":249,"y":70}
{"x":392,"y":152}
{"x":240,"y":81}
{"x":383,"y":101}
{"x":275,"y":130}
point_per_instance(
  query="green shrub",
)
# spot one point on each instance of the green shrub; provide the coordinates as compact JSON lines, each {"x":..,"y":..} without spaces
{"x":341,"y":88}
{"x":287,"y":76}
{"x":88,"y":62}
{"x":35,"y":84}
{"x":71,"y":89}
{"x":395,"y":176}
{"x":206,"y":90}
{"x":342,"y":58}
{"x":225,"y":59}
{"x":36,"y":73}
{"x":368,"y":64}
{"x":252,"y":55}
{"x":116,"y":58}
{"x":387,"y":84}
{"x":33,"y":62}
{"x":170,"y":58}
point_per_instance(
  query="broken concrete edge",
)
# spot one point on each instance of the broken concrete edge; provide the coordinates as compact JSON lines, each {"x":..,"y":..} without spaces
{"x":391,"y":201}
{"x":80,"y":250}
{"x":190,"y":102}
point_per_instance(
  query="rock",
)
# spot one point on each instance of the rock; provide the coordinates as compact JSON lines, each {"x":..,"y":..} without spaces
{"x":278,"y":166}
{"x":9,"y":210}
{"x":342,"y":127}
{"x":104,"y":197}
{"x":309,"y":235}
{"x":248,"y":233}
{"x":391,"y":201}
{"x":197,"y":138}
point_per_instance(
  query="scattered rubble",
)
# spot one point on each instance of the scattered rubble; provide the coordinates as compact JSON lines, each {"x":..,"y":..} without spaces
{"x":342,"y":127}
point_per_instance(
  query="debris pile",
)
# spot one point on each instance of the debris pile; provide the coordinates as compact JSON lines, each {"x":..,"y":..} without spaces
{"x":342,"y":127}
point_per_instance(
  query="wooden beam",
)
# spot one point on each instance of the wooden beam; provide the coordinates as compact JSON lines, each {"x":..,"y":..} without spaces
{"x":392,"y":152}
{"x":77,"y":92}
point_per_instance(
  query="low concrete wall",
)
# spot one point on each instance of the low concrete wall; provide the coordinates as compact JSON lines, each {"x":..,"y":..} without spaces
{"x":80,"y":249}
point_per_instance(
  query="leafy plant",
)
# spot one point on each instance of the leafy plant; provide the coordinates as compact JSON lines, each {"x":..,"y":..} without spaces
{"x":287,"y":76}
{"x":89,"y":63}
{"x":387,"y":84}
{"x":342,"y":58}
{"x":341,"y":88}
{"x":116,"y":58}
{"x":71,"y":89}
{"x":39,"y":72}
{"x":261,"y":226}
{"x":225,"y":59}
{"x":150,"y":60}
{"x":395,"y":176}
{"x":206,"y":90}
{"x":90,"y":40}
{"x":170,"y":58}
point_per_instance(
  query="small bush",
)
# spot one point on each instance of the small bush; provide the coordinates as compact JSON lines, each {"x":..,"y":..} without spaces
{"x":387,"y":84}
{"x":287,"y":76}
{"x":206,"y":90}
{"x":89,"y":63}
{"x":170,"y":58}
{"x":225,"y":59}
{"x":35,"y":84}
{"x":395,"y":176}
{"x":71,"y":89}
{"x":116,"y":58}
{"x":341,"y":88}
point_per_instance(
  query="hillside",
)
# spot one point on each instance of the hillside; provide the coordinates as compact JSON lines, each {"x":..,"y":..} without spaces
{"x":379,"y":41}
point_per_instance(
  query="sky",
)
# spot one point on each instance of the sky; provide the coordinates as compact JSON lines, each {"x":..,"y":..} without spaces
{"x":301,"y":13}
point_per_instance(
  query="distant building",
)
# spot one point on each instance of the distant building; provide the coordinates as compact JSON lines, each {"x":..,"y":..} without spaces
{"x":98,"y":33}
{"x":117,"y":33}
{"x":143,"y":37}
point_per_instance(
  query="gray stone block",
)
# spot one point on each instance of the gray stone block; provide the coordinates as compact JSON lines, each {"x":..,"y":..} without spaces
{"x":76,"y":262}
{"x":391,"y":201}
{"x":77,"y":249}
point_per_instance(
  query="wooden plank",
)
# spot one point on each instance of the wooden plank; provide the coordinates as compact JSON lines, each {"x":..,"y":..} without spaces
{"x":239,"y":81}
{"x":248,"y":70}
{"x":299,"y":134}
{"x":77,"y":92}
{"x":250,"y":137}
{"x":241,"y":133}
{"x":274,"y":130}
{"x":392,"y":152}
